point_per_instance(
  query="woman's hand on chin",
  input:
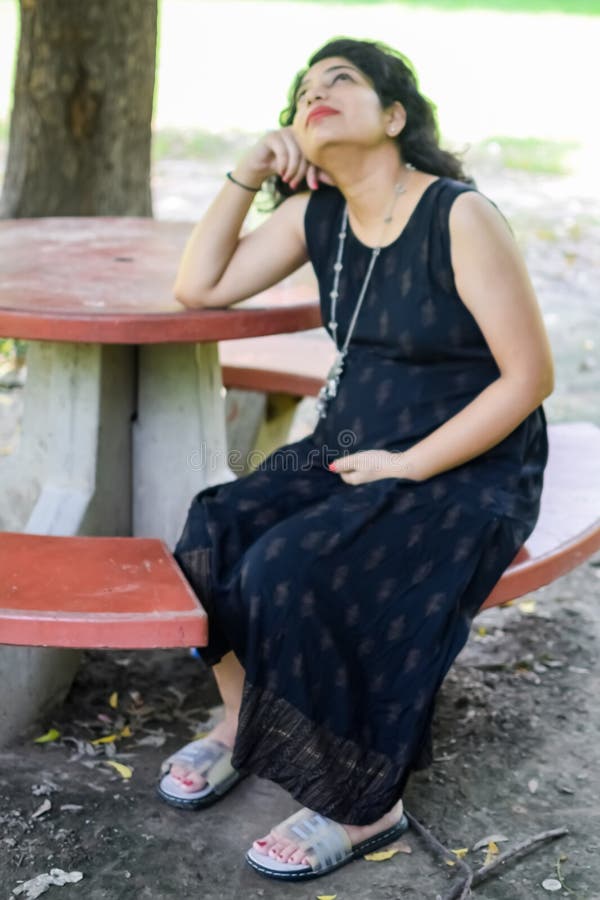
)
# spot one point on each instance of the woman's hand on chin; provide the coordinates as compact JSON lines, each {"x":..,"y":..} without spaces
{"x":371,"y":465}
{"x":278,"y":153}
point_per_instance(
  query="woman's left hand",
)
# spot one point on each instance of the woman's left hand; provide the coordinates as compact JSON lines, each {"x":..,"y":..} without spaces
{"x":370,"y":465}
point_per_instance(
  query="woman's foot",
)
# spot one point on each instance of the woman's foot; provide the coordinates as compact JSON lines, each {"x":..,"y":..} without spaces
{"x":286,"y":851}
{"x":185,"y":775}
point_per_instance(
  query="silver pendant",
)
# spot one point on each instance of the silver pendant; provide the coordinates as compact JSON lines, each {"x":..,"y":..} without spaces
{"x":330,"y":387}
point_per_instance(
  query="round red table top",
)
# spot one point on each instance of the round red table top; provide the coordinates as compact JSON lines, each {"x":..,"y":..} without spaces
{"x":109,"y":280}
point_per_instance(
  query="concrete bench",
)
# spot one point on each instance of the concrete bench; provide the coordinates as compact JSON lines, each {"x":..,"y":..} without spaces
{"x":95,"y":592}
{"x":129,"y":592}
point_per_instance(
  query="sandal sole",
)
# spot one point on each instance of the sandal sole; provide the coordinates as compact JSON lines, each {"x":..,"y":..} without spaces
{"x":368,"y":846}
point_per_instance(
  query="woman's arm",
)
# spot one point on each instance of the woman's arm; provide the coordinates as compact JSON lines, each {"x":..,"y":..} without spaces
{"x":218,"y":266}
{"x":493,"y":283}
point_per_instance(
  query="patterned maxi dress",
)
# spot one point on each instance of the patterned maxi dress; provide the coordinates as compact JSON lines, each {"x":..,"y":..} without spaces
{"x":347,"y":604}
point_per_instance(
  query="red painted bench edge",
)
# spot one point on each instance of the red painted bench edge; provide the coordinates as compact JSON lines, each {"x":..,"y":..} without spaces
{"x":270,"y":381}
{"x":108,"y":632}
{"x":522,"y":578}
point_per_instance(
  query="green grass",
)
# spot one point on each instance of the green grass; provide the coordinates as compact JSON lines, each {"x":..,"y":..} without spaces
{"x":525,"y":154}
{"x":528,"y":154}
{"x":12,"y":353}
{"x":566,"y":7}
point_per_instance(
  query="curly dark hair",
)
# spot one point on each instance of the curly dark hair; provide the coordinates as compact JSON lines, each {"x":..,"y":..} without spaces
{"x":393,"y":78}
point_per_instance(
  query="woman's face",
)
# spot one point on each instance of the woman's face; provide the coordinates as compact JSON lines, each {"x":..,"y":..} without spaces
{"x":335,"y":105}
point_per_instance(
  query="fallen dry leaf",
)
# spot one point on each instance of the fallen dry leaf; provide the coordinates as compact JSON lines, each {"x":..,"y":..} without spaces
{"x":124,"y":771}
{"x":533,"y":784}
{"x":326,"y":896}
{"x":151,"y":740}
{"x":37,"y":886}
{"x":45,"y":789}
{"x":43,"y":808}
{"x":492,"y":851}
{"x":111,"y":738}
{"x":461,"y":852}
{"x":113,"y":700}
{"x":381,"y":855}
{"x":551,"y":884}
{"x":51,"y":735}
{"x":490,"y":838}
{"x":528,"y":607}
{"x":107,"y":739}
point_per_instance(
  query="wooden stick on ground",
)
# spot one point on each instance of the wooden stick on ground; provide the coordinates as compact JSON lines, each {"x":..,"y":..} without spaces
{"x":462,"y":890}
{"x":524,"y":847}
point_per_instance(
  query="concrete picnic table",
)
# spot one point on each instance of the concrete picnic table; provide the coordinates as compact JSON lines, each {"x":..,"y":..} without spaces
{"x":124,"y":418}
{"x":124,"y":406}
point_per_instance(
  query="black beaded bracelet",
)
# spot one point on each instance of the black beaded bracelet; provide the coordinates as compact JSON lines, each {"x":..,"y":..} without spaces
{"x":246,"y":187}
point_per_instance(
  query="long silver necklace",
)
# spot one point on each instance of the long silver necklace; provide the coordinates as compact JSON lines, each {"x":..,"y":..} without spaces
{"x":332,"y":380}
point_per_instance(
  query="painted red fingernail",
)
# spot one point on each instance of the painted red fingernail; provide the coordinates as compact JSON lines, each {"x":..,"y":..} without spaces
{"x":331,"y":467}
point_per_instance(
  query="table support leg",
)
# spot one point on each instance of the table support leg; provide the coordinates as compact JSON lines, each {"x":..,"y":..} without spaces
{"x":71,"y":472}
{"x":179,"y":438}
{"x":245,"y":414}
{"x":68,"y":412}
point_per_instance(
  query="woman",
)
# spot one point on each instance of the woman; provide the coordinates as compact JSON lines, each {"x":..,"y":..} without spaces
{"x":341,"y":577}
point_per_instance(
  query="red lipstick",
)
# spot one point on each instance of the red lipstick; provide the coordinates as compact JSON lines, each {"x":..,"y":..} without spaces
{"x":320,"y":112}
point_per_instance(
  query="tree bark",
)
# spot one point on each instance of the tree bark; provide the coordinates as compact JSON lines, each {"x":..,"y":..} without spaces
{"x":80,"y":132}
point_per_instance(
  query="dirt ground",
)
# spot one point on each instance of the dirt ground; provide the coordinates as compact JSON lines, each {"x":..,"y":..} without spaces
{"x":517,"y":727}
{"x":517,"y":742}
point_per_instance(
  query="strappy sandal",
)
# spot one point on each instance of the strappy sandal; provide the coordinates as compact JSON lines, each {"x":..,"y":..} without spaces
{"x":209,"y":758}
{"x":325,"y":843}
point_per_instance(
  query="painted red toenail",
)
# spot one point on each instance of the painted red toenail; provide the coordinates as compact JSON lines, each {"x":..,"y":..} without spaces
{"x":261,"y":843}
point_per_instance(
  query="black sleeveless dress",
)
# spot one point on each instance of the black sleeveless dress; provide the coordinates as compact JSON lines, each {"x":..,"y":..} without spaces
{"x":347,"y":604}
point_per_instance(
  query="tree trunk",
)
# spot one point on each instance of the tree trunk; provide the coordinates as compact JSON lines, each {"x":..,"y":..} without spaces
{"x":80,"y":132}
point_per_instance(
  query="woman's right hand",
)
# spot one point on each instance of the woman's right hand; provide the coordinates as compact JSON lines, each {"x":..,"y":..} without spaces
{"x":220,"y":266}
{"x":278,"y":153}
